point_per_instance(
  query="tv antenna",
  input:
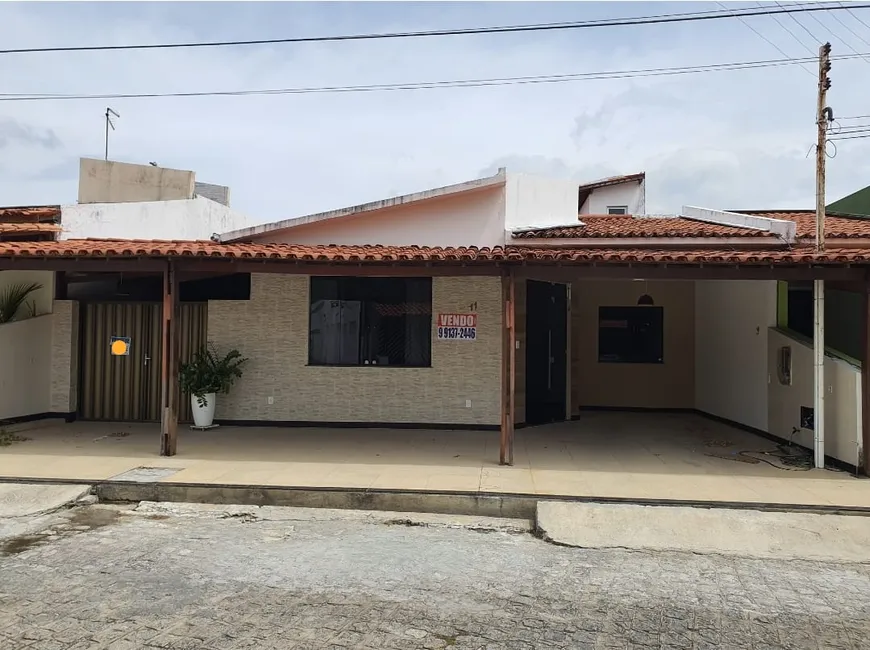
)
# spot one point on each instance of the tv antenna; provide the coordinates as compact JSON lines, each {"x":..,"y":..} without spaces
{"x":109,"y":123}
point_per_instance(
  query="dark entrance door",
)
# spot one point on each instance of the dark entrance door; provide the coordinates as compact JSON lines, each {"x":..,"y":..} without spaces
{"x":546,"y":352}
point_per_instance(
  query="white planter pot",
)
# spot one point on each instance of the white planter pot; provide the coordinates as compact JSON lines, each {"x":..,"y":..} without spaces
{"x":203,"y":416}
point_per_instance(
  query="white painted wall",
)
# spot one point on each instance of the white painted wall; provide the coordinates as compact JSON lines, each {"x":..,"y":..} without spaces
{"x":197,"y":218}
{"x":472,"y":218}
{"x":842,"y":401}
{"x":538,"y":201}
{"x":628,"y":194}
{"x":478,"y":217}
{"x":25,"y":367}
{"x":42,"y":297}
{"x":731,"y":367}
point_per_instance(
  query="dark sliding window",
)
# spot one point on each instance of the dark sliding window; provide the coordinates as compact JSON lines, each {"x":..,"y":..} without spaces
{"x":630,"y":334}
{"x":370,"y":321}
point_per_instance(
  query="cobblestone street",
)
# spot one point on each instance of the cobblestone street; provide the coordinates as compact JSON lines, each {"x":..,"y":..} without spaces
{"x":113,"y":578}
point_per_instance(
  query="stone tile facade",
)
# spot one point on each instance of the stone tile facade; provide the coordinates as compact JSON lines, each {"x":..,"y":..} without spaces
{"x":271,"y":329}
{"x":64,"y":356}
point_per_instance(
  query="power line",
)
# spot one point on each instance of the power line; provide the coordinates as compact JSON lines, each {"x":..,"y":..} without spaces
{"x":853,"y":14}
{"x":428,"y":85}
{"x":854,"y":117}
{"x":791,"y":33}
{"x":762,"y":36}
{"x":851,"y":31}
{"x":622,"y":22}
{"x":800,"y":24}
{"x":863,"y":129}
{"x":849,"y":137}
{"x":840,"y":38}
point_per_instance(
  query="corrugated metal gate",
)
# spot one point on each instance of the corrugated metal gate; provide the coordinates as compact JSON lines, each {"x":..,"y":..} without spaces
{"x":194,"y":333}
{"x":127,"y":388}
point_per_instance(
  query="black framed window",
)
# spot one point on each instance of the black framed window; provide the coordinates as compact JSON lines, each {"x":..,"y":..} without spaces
{"x":108,"y":287}
{"x":630,"y":334}
{"x":370,"y":321}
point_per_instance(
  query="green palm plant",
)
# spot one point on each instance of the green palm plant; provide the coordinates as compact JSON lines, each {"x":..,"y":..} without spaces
{"x":209,"y":372}
{"x":13,"y":297}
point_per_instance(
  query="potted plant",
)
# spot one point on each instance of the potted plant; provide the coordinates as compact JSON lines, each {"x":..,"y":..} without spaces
{"x":206,"y":375}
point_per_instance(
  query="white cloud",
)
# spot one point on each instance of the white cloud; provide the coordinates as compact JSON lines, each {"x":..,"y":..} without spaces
{"x":728,"y":139}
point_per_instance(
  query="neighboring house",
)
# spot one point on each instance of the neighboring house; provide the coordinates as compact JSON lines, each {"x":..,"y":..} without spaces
{"x":857,"y":203}
{"x":493,"y":303}
{"x":614,"y":195}
{"x":481,"y":212}
{"x":35,"y":223}
{"x":116,"y":200}
{"x":126,"y":201}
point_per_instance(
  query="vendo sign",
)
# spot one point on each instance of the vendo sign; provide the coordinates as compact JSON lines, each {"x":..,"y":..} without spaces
{"x":457,"y":327}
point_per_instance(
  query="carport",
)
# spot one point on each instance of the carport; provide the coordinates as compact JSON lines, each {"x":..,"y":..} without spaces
{"x":707,"y":339}
{"x":277,"y":267}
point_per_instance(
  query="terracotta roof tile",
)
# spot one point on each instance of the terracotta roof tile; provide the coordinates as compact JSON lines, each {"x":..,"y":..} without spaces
{"x":613,"y":226}
{"x":835,"y":226}
{"x":612,"y":180}
{"x":28,"y":228}
{"x":30,"y":214}
{"x":193,"y":248}
{"x":95,"y":248}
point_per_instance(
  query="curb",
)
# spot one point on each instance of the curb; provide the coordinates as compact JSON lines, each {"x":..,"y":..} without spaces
{"x":483,"y":504}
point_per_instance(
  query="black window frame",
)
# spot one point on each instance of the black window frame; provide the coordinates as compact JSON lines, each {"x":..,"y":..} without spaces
{"x":384,"y":310}
{"x":115,"y":287}
{"x":641,"y":337}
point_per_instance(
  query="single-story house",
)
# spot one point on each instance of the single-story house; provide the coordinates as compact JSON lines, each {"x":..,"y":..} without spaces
{"x":496,"y":303}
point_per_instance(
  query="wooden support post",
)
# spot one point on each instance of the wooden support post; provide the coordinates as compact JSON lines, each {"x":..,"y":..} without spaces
{"x":512,"y":356}
{"x":508,"y":371}
{"x":169,"y":364}
{"x":505,"y":381}
{"x":864,"y":452}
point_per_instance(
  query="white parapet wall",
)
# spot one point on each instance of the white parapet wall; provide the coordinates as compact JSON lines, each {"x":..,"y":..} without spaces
{"x":197,"y":218}
{"x":108,"y":181}
{"x":535,"y":201}
{"x":782,"y":228}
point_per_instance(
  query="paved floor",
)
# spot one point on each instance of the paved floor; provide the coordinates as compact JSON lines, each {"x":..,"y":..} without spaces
{"x":106,"y":579}
{"x":625,"y":455}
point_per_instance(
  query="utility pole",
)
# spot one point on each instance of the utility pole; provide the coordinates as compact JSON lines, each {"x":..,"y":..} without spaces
{"x":823,"y":115}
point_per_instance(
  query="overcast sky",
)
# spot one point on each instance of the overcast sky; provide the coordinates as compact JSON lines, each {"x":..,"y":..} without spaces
{"x":721,"y":140}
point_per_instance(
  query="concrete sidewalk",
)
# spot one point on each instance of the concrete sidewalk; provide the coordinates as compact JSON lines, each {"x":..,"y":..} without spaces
{"x":744,"y":533}
{"x":27,"y":509}
{"x":21,"y":500}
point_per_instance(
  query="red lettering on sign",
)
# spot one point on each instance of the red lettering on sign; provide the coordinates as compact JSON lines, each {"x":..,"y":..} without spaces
{"x":457,"y":320}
